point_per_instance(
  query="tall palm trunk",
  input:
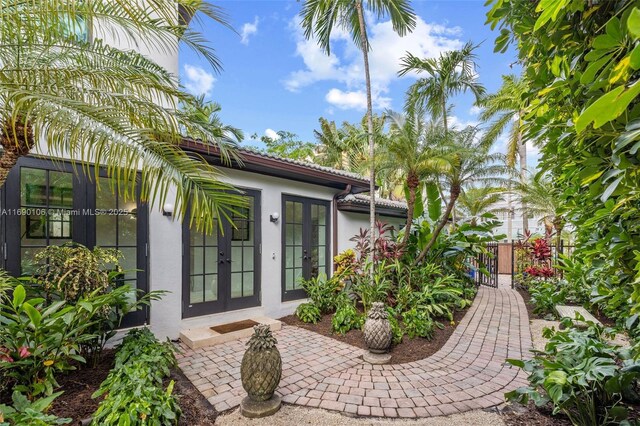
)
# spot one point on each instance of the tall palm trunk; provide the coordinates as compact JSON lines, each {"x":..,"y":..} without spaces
{"x":16,"y":140}
{"x":455,"y":193}
{"x":522,"y":155}
{"x":412,"y":184}
{"x":372,"y":171}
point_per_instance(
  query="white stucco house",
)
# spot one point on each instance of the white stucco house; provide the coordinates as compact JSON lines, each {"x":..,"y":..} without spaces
{"x":300,"y":216}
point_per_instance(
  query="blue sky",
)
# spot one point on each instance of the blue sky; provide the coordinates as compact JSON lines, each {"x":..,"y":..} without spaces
{"x":273,"y":79}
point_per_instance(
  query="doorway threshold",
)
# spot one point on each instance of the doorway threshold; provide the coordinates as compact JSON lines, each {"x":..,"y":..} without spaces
{"x":213,"y":335}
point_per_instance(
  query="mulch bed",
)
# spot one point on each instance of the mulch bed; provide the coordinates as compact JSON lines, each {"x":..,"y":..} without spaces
{"x":78,"y":385}
{"x":533,"y":416}
{"x":408,"y":350}
{"x":527,"y":301}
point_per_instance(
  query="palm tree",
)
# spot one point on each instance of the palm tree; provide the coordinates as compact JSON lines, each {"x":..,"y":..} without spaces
{"x":409,"y":154}
{"x":539,"y":197}
{"x":345,"y":148}
{"x":474,"y":202}
{"x":99,"y":104}
{"x":319,"y":17}
{"x":208,"y":113}
{"x":506,"y":107}
{"x":453,"y":72}
{"x":468,"y":162}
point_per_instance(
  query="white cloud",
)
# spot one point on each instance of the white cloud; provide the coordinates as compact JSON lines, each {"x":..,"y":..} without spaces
{"x":198,"y":81}
{"x":355,"y":99}
{"x":271,"y":134}
{"x":455,"y":122}
{"x":249,"y":29}
{"x":344,"y":65}
{"x":475,"y":110}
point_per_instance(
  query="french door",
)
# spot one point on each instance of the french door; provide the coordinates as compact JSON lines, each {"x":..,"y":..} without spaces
{"x":221,"y":271}
{"x":305,"y":243}
{"x":53,"y":203}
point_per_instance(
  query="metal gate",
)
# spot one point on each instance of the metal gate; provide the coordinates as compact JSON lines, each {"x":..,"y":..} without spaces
{"x":486,"y":266}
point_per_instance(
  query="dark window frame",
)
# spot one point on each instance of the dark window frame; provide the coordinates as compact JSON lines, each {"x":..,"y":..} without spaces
{"x":83,"y":226}
{"x":307,"y":202}
{"x":224,"y":302}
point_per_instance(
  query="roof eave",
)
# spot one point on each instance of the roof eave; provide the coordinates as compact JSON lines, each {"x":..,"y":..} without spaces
{"x":348,"y":206}
{"x":254,"y":162}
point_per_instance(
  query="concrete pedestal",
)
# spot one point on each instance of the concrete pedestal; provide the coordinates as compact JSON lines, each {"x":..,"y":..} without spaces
{"x":377,"y":359}
{"x":256,"y":409}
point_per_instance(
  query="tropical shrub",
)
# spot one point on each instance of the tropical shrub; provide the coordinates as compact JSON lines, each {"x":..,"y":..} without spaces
{"x":396,"y":329}
{"x":346,"y":318}
{"x":322,"y":292}
{"x":417,"y":323}
{"x":133,"y":388}
{"x":73,"y":271}
{"x":27,"y":413}
{"x":368,"y":291}
{"x":546,"y":294}
{"x":308,"y":312}
{"x":581,"y":375}
{"x":581,"y":105}
{"x":39,"y":339}
{"x":385,"y":247}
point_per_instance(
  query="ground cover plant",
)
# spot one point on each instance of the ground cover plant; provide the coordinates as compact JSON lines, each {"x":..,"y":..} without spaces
{"x":58,"y":320}
{"x":134,"y":389}
{"x":580,"y":374}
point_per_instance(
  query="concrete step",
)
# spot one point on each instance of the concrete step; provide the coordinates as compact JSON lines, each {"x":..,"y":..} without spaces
{"x":204,"y":336}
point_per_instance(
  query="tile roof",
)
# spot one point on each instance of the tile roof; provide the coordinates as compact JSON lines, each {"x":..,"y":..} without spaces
{"x":307,"y":164}
{"x":380,"y":202}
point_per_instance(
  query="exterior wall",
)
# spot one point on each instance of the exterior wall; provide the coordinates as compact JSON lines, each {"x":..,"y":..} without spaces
{"x":349,"y":225}
{"x":165,"y":262}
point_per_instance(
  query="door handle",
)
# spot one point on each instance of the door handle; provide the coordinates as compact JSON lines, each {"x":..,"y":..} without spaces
{"x":228,"y":260}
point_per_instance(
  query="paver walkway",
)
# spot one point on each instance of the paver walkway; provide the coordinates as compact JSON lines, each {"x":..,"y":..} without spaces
{"x":469,"y":372}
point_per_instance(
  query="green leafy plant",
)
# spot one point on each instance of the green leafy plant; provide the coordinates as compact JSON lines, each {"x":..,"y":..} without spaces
{"x":72,"y":272}
{"x":396,"y":329}
{"x":417,"y":323}
{"x":322,"y":292}
{"x":135,"y":395}
{"x":40,"y":339}
{"x":580,"y":374}
{"x":308,"y":312}
{"x":27,"y":413}
{"x":369,"y":291}
{"x":346,"y":318}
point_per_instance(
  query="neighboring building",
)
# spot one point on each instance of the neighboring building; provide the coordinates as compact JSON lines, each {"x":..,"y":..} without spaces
{"x":512,"y":225}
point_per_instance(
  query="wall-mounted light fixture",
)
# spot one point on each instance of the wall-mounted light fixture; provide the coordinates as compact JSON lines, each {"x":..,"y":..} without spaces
{"x":167,"y":209}
{"x":273,"y":217}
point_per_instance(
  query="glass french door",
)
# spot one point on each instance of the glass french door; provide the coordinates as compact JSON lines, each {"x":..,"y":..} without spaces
{"x":305,"y":243}
{"x":221,"y":271}
{"x":51,"y":203}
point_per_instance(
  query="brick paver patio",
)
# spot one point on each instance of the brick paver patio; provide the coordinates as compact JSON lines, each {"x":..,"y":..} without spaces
{"x":469,"y":372}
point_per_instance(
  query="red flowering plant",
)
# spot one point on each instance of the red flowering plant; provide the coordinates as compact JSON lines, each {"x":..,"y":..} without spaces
{"x":539,"y":271}
{"x":385,"y":246}
{"x":533,"y":259}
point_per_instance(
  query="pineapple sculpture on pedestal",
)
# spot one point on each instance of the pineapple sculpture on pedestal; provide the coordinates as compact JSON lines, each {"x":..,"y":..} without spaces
{"x":377,"y":335}
{"x":260,"y":373}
